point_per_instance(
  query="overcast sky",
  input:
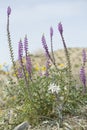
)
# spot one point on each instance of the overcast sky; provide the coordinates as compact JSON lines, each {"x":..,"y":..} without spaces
{"x":34,"y":17}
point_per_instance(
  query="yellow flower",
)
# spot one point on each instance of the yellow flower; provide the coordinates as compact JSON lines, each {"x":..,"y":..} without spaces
{"x":61,"y":66}
{"x":27,"y":74}
{"x":14,"y":75}
{"x":43,"y":68}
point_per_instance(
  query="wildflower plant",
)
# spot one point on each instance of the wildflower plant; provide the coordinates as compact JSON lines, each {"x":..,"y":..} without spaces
{"x":9,"y":39}
{"x":82,"y":71}
{"x":49,"y":95}
{"x":60,"y":28}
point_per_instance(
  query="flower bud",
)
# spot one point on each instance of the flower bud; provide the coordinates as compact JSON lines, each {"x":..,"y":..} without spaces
{"x":8,"y":10}
{"x":60,"y":28}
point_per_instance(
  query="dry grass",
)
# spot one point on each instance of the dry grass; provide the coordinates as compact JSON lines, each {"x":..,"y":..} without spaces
{"x":75,"y":57}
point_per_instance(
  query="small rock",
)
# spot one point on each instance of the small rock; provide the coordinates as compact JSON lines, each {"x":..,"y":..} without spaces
{"x":23,"y":126}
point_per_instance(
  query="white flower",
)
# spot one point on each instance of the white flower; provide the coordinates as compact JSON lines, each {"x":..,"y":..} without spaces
{"x":54,"y":88}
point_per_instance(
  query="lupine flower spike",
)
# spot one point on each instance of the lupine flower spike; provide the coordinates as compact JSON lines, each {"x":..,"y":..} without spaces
{"x":20,"y":50}
{"x":9,"y":41}
{"x":60,"y":29}
{"x":26,"y":45}
{"x":20,"y":58}
{"x":46,"y":49}
{"x":28,"y":59}
{"x":83,"y":78}
{"x":45,"y":46}
{"x":51,"y":40}
{"x":82,"y":71}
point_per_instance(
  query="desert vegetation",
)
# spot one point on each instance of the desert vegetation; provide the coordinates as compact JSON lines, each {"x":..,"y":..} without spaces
{"x":48,"y":89}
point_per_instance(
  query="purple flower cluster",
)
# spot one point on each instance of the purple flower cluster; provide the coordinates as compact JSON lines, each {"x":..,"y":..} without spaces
{"x":45,"y":46}
{"x":28,"y":59}
{"x":82,"y":71}
{"x":20,"y":50}
{"x":20,"y":55}
{"x":83,"y":78}
{"x":60,"y":28}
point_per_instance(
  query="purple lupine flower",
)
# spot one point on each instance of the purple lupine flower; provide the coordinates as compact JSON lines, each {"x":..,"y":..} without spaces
{"x":8,"y":10}
{"x":26,"y":45}
{"x":28,"y":64}
{"x":20,"y":50}
{"x":84,"y":56}
{"x":83,"y":77}
{"x":45,"y":46}
{"x":51,"y":32}
{"x":60,"y":28}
